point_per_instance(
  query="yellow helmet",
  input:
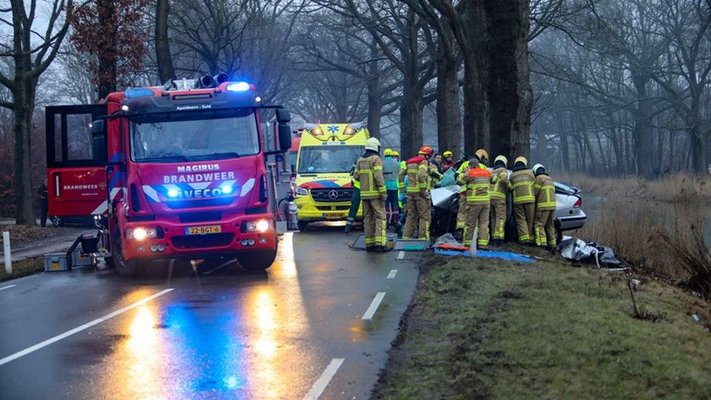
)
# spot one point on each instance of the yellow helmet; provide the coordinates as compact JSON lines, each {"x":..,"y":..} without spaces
{"x":521,"y":159}
{"x":447,"y":153}
{"x":503,"y":159}
{"x":394,"y":153}
{"x":388,"y":152}
{"x":482,"y":155}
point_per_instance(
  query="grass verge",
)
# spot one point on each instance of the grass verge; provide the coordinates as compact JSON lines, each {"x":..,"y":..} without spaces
{"x":22,"y":268}
{"x":482,"y":329}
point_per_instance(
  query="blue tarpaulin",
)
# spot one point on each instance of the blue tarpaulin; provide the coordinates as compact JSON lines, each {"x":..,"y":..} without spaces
{"x":503,"y":255}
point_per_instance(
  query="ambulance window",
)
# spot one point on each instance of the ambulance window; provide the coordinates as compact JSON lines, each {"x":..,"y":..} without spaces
{"x":58,"y":138}
{"x":79,"y":137}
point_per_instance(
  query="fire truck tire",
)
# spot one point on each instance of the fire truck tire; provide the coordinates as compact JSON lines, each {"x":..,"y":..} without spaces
{"x":123,"y":267}
{"x":257,"y":260}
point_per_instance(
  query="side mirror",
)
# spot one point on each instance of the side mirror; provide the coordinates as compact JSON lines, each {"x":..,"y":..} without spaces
{"x":283,"y":116}
{"x":98,"y":139}
{"x":284,"y":136}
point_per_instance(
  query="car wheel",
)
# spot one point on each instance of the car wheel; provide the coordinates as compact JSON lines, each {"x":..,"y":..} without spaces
{"x":57,"y":221}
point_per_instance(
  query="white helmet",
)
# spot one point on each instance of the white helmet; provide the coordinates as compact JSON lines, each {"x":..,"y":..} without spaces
{"x":535,"y":168}
{"x":372,"y":144}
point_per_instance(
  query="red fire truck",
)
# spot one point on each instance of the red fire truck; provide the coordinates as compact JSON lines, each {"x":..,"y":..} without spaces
{"x":169,"y":172}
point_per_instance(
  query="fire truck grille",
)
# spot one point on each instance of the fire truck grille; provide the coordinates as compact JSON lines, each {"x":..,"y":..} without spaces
{"x":197,"y":241}
{"x":332,"y":195}
{"x":199,"y":203}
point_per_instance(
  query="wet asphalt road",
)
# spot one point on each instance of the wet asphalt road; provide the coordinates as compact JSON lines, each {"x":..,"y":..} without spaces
{"x":296,"y":330}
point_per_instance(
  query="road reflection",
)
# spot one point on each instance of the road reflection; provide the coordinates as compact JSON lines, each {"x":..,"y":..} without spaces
{"x":229,"y":341}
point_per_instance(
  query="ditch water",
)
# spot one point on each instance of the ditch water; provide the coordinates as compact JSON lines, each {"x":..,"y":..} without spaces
{"x":667,"y":215}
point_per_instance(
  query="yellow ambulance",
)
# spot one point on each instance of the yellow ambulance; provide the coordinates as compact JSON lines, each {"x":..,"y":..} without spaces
{"x":323,"y":185}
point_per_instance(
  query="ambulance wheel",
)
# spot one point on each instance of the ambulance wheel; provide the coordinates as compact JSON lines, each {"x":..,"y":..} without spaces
{"x":257,"y":260}
{"x":123,"y":267}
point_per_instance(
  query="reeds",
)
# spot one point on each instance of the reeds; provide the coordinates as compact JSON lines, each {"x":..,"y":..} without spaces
{"x":671,"y":188}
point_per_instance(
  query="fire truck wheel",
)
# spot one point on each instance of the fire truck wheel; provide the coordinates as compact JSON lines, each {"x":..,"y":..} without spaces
{"x":123,"y":267}
{"x":257,"y":260}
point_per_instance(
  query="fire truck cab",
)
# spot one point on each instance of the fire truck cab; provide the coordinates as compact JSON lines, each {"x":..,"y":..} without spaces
{"x":169,"y":173}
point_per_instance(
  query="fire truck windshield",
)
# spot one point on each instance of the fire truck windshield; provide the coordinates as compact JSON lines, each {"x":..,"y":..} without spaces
{"x":192,"y":136}
{"x":328,"y":159}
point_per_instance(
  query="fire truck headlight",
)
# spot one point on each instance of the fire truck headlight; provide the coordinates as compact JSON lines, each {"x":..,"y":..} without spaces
{"x":260,"y":225}
{"x":238,"y":87}
{"x":173,"y":193}
{"x":141,"y":233}
{"x":226,"y":189}
{"x":301,"y":191}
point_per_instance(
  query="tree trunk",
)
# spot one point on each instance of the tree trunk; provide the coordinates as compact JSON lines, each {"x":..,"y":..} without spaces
{"x":410,"y":120}
{"x":166,"y":72}
{"x":476,"y":109}
{"x":449,"y":118}
{"x":375,"y":95}
{"x":23,"y":97}
{"x":106,"y":10}
{"x":508,"y":83}
{"x":698,"y":152}
{"x":642,"y":131}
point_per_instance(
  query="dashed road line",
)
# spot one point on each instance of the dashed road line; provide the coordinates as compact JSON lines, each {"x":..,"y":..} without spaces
{"x":81,"y":328}
{"x":325,"y":378}
{"x":392,"y":274}
{"x":374,"y":306}
{"x":7,"y":287}
{"x":401,"y":255}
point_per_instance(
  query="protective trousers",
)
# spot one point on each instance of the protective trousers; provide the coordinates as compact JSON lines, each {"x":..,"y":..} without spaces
{"x":498,"y":218}
{"x":462,"y":212}
{"x":418,"y":215}
{"x":374,"y":223}
{"x":524,"y":215}
{"x":544,"y":228}
{"x":477,"y":218}
{"x":355,"y":204}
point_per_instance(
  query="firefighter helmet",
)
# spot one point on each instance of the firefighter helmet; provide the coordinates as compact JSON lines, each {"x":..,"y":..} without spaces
{"x":447,"y":153}
{"x":521,"y":159}
{"x":426,"y":151}
{"x":482,"y":155}
{"x":537,"y":167}
{"x":503,"y":159}
{"x":372,"y":144}
{"x":388,"y":152}
{"x":395,"y":153}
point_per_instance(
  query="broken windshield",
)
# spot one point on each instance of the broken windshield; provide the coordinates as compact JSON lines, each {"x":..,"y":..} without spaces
{"x":191,"y":136}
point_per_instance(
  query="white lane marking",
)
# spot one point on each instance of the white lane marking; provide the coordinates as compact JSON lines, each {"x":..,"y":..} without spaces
{"x":81,"y":328}
{"x":324,"y":379}
{"x":401,"y":255}
{"x":7,"y":287}
{"x":392,"y":274}
{"x":374,"y":306}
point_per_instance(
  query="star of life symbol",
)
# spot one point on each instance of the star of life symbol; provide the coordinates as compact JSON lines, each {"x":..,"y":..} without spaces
{"x":332,"y":128}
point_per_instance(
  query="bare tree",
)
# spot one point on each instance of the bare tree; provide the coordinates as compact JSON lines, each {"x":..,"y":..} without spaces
{"x":32,"y":51}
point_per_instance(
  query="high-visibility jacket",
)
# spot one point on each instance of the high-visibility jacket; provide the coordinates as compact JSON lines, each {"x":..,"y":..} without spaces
{"x":369,"y":170}
{"x":417,"y":173}
{"x":463,"y":168}
{"x":477,"y":183}
{"x":544,"y":190}
{"x":433,"y":176}
{"x":522,"y":186}
{"x":501,"y":186}
{"x":401,"y":181}
{"x":354,"y":178}
{"x":391,"y":171}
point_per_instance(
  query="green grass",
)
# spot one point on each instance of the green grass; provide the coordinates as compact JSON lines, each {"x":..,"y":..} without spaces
{"x":481,"y":329}
{"x":22,"y":268}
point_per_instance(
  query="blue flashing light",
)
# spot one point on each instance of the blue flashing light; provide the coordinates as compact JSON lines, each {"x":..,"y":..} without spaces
{"x":238,"y":87}
{"x":226,"y":189}
{"x":172,"y":193}
{"x":132,"y":93}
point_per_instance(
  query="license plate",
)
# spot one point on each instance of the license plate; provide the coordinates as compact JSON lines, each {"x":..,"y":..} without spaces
{"x":203,"y":230}
{"x":335,"y":216}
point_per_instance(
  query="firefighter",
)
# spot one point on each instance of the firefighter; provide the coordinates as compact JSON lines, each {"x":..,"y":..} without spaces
{"x":447,"y":160}
{"x":437,"y":162}
{"x":499,"y":190}
{"x":42,"y":194}
{"x":524,"y":203}
{"x":391,"y":171}
{"x":418,"y":210}
{"x":369,"y":172}
{"x":544,"y":190}
{"x":483,"y":157}
{"x":477,"y":182}
{"x":355,"y":200}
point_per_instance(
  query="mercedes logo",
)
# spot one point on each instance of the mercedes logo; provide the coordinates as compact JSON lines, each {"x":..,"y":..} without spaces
{"x":333,"y":195}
